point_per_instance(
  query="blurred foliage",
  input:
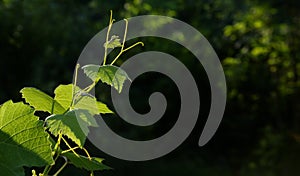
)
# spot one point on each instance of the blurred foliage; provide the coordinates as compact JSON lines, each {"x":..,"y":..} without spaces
{"x":257,"y":41}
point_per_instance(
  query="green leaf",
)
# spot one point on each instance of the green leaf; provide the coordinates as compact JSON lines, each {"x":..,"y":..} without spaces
{"x":109,"y":74}
{"x":23,"y":140}
{"x":102,"y":108}
{"x":113,"y":42}
{"x":62,"y":101}
{"x":41,"y":101}
{"x":74,"y":124}
{"x":63,"y":95}
{"x":94,"y":164}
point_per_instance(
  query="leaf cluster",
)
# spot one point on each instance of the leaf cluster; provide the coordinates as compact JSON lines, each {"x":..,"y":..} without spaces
{"x":28,"y":141}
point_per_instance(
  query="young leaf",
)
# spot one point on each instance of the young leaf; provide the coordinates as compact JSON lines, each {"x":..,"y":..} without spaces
{"x":102,"y":108}
{"x":109,"y":74}
{"x":113,"y":42}
{"x":94,"y":164}
{"x":74,"y":124}
{"x":41,"y":101}
{"x":23,"y":139}
{"x":63,"y":95}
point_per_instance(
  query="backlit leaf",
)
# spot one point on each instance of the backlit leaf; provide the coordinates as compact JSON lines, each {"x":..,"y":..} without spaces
{"x":74,"y":124}
{"x":41,"y":101}
{"x":63,"y":95}
{"x":113,"y":42}
{"x":109,"y":74}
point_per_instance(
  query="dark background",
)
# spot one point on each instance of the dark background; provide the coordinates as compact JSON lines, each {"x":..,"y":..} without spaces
{"x":256,"y":41}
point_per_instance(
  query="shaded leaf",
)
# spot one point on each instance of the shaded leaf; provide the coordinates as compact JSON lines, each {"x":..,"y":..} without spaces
{"x":94,"y":164}
{"x":23,"y":139}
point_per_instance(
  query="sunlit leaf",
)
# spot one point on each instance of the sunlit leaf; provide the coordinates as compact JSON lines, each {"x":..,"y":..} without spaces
{"x":41,"y":101}
{"x":109,"y":74}
{"x":63,"y":95}
{"x":74,"y":124}
{"x":113,"y":42}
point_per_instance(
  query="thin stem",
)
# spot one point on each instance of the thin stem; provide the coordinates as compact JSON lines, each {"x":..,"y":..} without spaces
{"x":62,"y":167}
{"x":87,"y":153}
{"x":68,"y":145}
{"x":65,"y":151}
{"x":107,"y":36}
{"x":87,"y":90}
{"x":74,"y":86}
{"x":122,"y":51}
{"x":133,"y":46}
{"x":56,"y":148}
{"x":124,"y":39}
{"x":46,"y":170}
{"x":91,"y":87}
{"x":56,"y":157}
{"x":125,"y":33}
